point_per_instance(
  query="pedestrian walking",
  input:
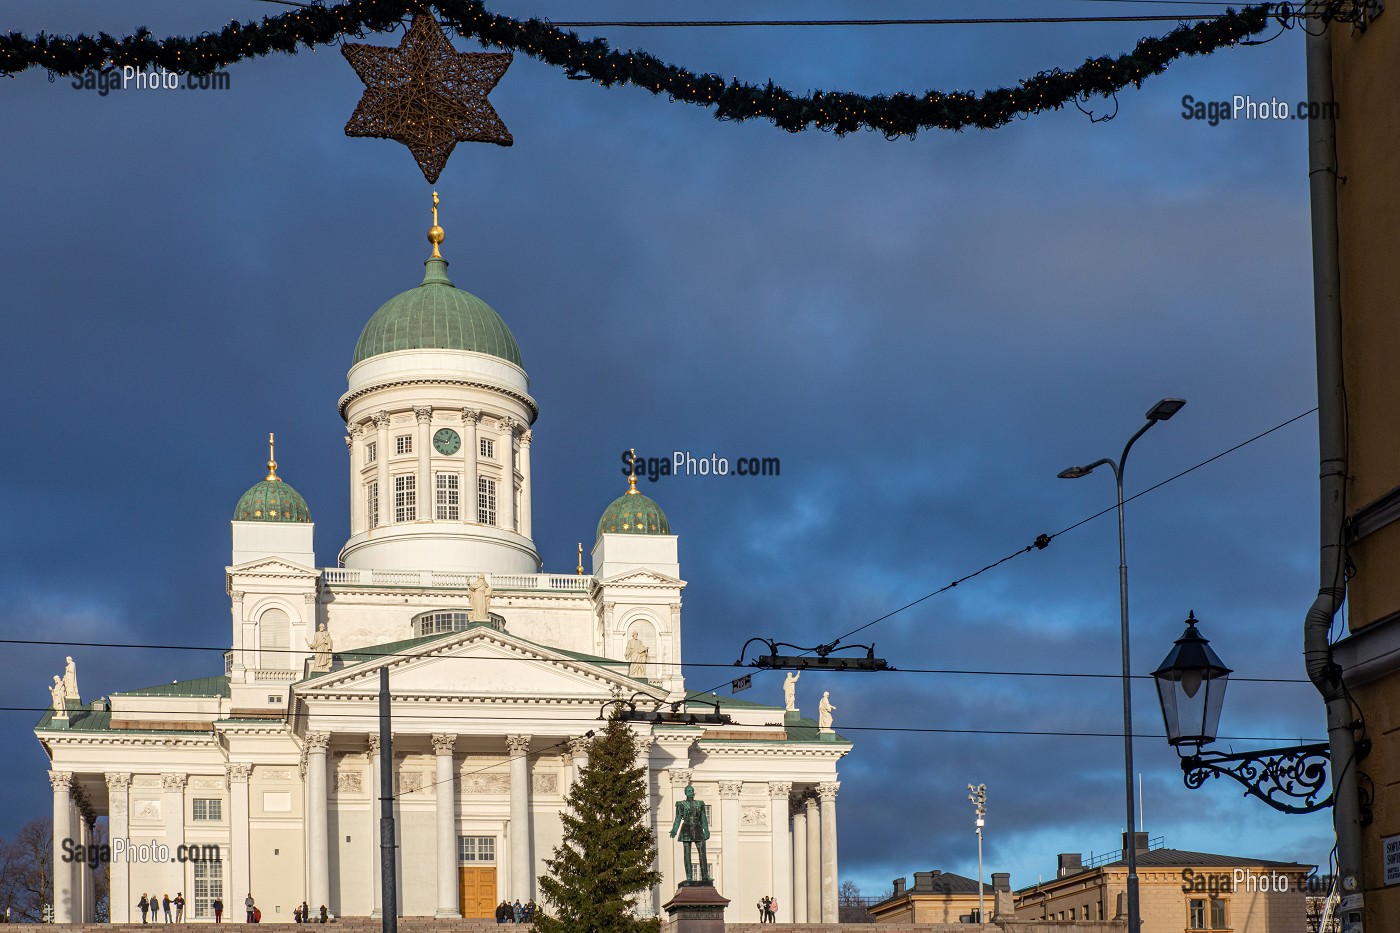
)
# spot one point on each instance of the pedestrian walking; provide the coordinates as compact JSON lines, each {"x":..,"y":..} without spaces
{"x":218,"y":906}
{"x":179,"y":907}
{"x":143,"y":904}
{"x":249,"y":906}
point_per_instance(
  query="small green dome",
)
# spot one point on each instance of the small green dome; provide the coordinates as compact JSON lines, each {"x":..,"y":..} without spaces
{"x":436,"y":315}
{"x":633,"y":514}
{"x":272,"y":500}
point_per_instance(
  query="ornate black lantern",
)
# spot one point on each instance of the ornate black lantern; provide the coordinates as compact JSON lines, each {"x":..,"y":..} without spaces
{"x":1191,"y":685}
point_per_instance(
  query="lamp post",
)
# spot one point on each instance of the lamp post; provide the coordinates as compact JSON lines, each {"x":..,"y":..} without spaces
{"x":979,"y":803}
{"x":1162,"y":411}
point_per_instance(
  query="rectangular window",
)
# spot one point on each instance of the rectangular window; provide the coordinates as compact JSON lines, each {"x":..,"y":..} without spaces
{"x":449,"y":507}
{"x":1217,"y":914}
{"x":488,"y":448}
{"x":208,"y":885}
{"x":1198,"y":914}
{"x":485,"y":501}
{"x":208,"y":809}
{"x":475,"y":850}
{"x":406,"y":498}
{"x":371,"y":452}
{"x":403,"y":444}
{"x":372,"y":503}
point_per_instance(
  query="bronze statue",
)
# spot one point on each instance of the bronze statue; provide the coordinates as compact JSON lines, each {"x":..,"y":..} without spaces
{"x":694,"y":827}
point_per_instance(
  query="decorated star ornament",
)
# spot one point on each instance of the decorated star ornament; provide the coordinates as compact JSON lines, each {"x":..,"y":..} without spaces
{"x":426,"y":94}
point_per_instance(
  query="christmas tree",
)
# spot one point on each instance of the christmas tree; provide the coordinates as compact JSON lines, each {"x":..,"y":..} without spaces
{"x":605,"y":861}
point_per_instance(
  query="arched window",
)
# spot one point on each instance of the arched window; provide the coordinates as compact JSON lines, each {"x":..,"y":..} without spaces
{"x":275,"y":639}
{"x":449,"y":620}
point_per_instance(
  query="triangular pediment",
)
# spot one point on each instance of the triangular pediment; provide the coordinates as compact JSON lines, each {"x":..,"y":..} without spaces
{"x":271,"y":567}
{"x":481,"y":663}
{"x":642,"y":578}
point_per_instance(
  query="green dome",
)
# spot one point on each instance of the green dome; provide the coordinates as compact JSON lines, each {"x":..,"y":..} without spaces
{"x":633,"y":514}
{"x":436,"y":315}
{"x":272,"y":500}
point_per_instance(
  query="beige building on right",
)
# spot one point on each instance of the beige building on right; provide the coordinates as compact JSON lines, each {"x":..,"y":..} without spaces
{"x":1180,"y":892}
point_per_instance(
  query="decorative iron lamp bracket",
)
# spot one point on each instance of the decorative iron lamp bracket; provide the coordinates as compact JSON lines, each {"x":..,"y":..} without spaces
{"x":1287,"y":779}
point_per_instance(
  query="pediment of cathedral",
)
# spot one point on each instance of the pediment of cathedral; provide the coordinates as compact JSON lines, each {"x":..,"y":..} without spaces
{"x":482,"y":663}
{"x":272,"y":567}
{"x":643,"y":578}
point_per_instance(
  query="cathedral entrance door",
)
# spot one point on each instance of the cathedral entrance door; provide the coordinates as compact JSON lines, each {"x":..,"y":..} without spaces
{"x":478,"y":892}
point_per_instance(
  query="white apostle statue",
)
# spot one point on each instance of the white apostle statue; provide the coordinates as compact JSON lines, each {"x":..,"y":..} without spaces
{"x":790,"y":691}
{"x":70,"y":678}
{"x":824,"y":711}
{"x":480,"y":594}
{"x":637,"y":656}
{"x":58,"y":696}
{"x":322,"y":648}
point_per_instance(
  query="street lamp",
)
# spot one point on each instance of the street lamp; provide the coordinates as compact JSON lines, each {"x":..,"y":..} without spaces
{"x":1162,"y":411}
{"x":1191,"y":688}
{"x":979,"y":803}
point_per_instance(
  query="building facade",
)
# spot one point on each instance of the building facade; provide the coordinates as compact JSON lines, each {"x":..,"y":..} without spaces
{"x":264,"y":778}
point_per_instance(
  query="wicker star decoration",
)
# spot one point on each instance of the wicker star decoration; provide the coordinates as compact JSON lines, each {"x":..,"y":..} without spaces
{"x":426,"y":94}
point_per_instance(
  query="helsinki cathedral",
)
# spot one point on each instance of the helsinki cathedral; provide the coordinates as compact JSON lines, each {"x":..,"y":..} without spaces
{"x":264,"y":778}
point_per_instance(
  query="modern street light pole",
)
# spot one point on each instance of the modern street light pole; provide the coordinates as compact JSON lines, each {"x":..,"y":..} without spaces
{"x":979,"y":802}
{"x":1162,"y":411}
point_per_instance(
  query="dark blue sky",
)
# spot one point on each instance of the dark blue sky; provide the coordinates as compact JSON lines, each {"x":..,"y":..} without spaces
{"x":924,"y":331}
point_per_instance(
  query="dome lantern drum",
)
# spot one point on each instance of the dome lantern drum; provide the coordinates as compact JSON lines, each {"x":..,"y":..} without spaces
{"x":633,"y":513}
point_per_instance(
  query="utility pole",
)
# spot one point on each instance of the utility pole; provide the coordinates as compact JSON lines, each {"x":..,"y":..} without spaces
{"x":388,"y":878}
{"x":979,"y":803}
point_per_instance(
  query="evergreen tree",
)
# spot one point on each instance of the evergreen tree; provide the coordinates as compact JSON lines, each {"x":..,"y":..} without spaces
{"x":605,"y":861}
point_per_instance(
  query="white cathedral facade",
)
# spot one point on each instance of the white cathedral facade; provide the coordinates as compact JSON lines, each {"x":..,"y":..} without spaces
{"x":264,"y":779}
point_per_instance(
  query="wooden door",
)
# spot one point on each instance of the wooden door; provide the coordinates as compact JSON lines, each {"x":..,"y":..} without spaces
{"x":477,"y":889}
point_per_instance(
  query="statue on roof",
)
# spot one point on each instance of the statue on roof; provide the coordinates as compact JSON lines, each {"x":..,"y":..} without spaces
{"x":70,"y":678}
{"x":58,"y":696}
{"x":321,"y":650}
{"x":790,"y":691}
{"x":480,"y":594}
{"x":637,"y":655}
{"x":824,"y":711}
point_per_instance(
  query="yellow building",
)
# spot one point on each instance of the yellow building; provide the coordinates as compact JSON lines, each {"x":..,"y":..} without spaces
{"x":936,"y":897}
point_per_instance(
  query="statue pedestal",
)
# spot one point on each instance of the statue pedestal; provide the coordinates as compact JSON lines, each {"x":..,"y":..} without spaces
{"x":791,"y":716}
{"x":696,"y":908}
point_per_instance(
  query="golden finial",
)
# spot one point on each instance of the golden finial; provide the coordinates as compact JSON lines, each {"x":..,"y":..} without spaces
{"x":272,"y":459}
{"x":632,"y":477}
{"x":435,"y":233}
{"x":579,"y":569}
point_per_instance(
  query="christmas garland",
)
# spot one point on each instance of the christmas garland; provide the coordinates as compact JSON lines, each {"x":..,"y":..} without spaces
{"x":895,"y":115}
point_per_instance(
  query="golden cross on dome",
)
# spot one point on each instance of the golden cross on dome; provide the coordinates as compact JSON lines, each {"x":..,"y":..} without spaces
{"x":632,"y":477}
{"x":271,"y":458}
{"x":579,"y":569}
{"x":435,"y":233}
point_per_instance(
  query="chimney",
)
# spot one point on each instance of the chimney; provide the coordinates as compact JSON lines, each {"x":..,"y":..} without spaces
{"x":898,"y":887}
{"x":1139,"y":842}
{"x":1069,"y":863}
{"x":1001,"y":881}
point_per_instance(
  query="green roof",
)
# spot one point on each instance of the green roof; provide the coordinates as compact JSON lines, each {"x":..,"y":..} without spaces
{"x":633,"y":514}
{"x":198,"y":687}
{"x":436,"y":315}
{"x":343,"y":659}
{"x":272,"y":500}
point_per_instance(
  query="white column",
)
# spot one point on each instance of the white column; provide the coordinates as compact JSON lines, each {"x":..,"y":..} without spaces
{"x":381,"y":473}
{"x":239,"y":880}
{"x":83,"y":885}
{"x":578,"y":758}
{"x":447,"y":905}
{"x":376,"y":871}
{"x":526,"y":437}
{"x":352,"y":438}
{"x":799,"y":862}
{"x":174,"y":813}
{"x":118,"y":827}
{"x":673,"y":853}
{"x":779,"y":795}
{"x":814,"y":860}
{"x":470,"y":451}
{"x":318,"y":856}
{"x":729,"y":792}
{"x":505,"y":498}
{"x":827,"y":791}
{"x":63,"y":822}
{"x":427,"y":492}
{"x":522,"y":884}
{"x":240,"y":657}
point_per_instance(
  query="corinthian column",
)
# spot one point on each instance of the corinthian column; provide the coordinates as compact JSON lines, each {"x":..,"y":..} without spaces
{"x":814,"y":860}
{"x":174,"y":785}
{"x":381,"y":470}
{"x":427,"y":494}
{"x":505,"y":499}
{"x":318,"y":860}
{"x":827,"y":792}
{"x":376,"y":875}
{"x":471,"y":449}
{"x":526,"y":437}
{"x":118,"y":827}
{"x":799,"y":862}
{"x":63,"y":824}
{"x":446,"y":828}
{"x":522,"y":884}
{"x":779,"y":797}
{"x":239,"y":836}
{"x":729,"y":792}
